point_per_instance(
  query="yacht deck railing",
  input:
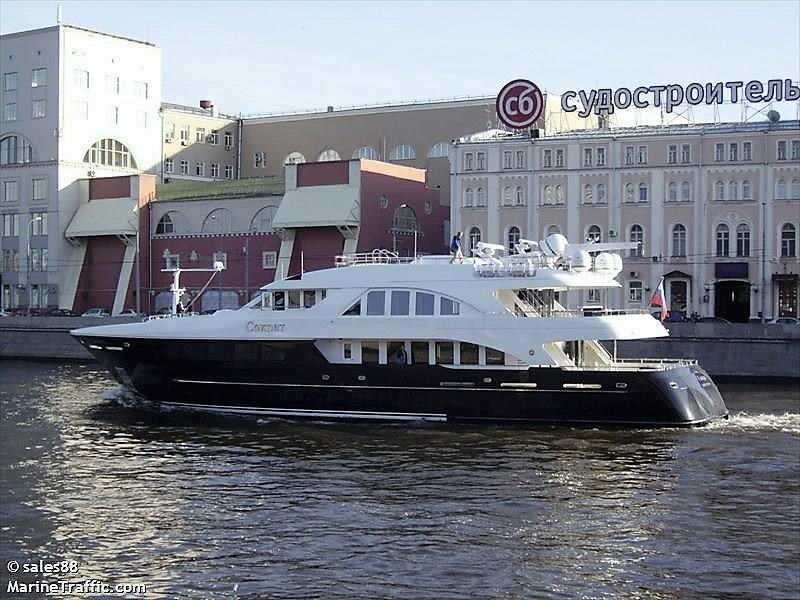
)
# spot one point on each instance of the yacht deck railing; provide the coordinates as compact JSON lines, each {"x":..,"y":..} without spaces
{"x":375,"y":257}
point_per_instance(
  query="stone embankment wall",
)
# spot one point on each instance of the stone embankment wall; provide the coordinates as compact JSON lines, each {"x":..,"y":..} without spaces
{"x":736,"y":349}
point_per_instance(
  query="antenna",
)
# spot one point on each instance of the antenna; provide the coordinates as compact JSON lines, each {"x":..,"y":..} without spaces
{"x":59,"y":14}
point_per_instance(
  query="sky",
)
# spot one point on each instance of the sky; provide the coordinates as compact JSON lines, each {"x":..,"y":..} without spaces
{"x":261,"y":57}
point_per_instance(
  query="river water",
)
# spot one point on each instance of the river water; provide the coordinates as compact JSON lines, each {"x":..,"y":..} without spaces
{"x":202,"y":507}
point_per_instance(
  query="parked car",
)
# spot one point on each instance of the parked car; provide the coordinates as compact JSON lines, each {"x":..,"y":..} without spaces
{"x":59,"y":312}
{"x":96,"y":312}
{"x":785,"y":321}
{"x":129,"y":312}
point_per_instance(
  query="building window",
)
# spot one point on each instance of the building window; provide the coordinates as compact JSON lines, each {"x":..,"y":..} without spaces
{"x":507,"y":196}
{"x":794,"y":189}
{"x":200,"y":169}
{"x":172,"y":222}
{"x":719,"y":152}
{"x":259,"y":160}
{"x":594,"y":234}
{"x":184,"y":167}
{"x":169,"y":132}
{"x":679,"y":240}
{"x":547,"y":158}
{"x":723,"y":240}
{"x":10,"y":264}
{"x":228,"y":172}
{"x":601,"y":193}
{"x":672,"y":192}
{"x":169,"y":166}
{"x":10,"y":111}
{"x":672,"y":154}
{"x":733,"y":151}
{"x":628,"y":155}
{"x":686,"y":153}
{"x":468,"y":197}
{"x":513,"y":238}
{"x":635,"y":292}
{"x":269,"y":259}
{"x":587,"y":194}
{"x":438,"y":150}
{"x":171,"y":261}
{"x":780,"y":189}
{"x":213,"y":138}
{"x":10,"y":82}
{"x":39,"y":77}
{"x":367,"y":152}
{"x":215,"y":170}
{"x":521,"y":159}
{"x":219,"y":220}
{"x":294,"y":158}
{"x":560,"y":194}
{"x":262,"y":222}
{"x":719,"y":191}
{"x":587,"y":157}
{"x":747,"y":151}
{"x":112,"y":115}
{"x":747,"y":190}
{"x":200,"y":135}
{"x":628,"y":192}
{"x":38,"y":223}
{"x":788,"y":241}
{"x":480,"y":197}
{"x":636,"y":235}
{"x":474,"y":238}
{"x":601,"y":157}
{"x":642,"y":155}
{"x":81,"y":79}
{"x":10,"y":191}
{"x":742,"y":240}
{"x":228,"y":139}
{"x":38,"y":189}
{"x":328,"y":155}
{"x":222,"y":257}
{"x":795,"y":149}
{"x":733,"y":190}
{"x":781,"y":150}
{"x":468,"y":161}
{"x":112,"y":84}
{"x":519,"y":196}
{"x":507,"y":159}
{"x":11,"y":225}
{"x":402,"y":152}
{"x":15,"y":150}
{"x":110,"y":152}
{"x":547,"y":194}
{"x":140,"y":89}
{"x":642,"y":192}
{"x":185,"y":134}
{"x":559,"y":157}
{"x":686,"y":191}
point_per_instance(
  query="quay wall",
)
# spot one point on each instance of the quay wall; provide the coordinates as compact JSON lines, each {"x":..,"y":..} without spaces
{"x":723,"y":349}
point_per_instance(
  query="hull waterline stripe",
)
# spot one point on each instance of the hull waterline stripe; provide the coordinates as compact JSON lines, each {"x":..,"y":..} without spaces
{"x":356,"y":386}
{"x":317,"y":414}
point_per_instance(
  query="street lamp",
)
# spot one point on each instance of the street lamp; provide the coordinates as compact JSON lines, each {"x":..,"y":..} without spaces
{"x":29,"y":262}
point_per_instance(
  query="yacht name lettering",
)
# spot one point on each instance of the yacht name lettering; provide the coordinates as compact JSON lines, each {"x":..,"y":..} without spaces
{"x":255,"y":327}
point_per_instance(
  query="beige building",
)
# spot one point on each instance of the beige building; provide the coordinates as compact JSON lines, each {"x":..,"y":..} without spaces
{"x":716,"y":208}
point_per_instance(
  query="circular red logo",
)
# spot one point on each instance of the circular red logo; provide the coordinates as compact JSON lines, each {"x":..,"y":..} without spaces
{"x":520,"y":103}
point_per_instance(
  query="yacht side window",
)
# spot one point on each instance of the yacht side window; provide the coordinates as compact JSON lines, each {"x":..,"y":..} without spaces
{"x":309,"y":298}
{"x":469,"y":353}
{"x":448,"y":307}
{"x":495,"y":357}
{"x":424,"y":304}
{"x":295,"y":298}
{"x":376,"y":302}
{"x":353,"y":311}
{"x":400,"y":301}
{"x":420,"y":354}
{"x":444,"y":353}
{"x":279,"y":301}
{"x":347,"y":351}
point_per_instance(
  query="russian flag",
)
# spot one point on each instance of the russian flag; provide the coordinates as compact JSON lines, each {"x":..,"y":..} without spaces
{"x":659,"y":300}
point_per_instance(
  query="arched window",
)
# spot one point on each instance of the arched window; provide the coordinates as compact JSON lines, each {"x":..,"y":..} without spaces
{"x":788,"y":240}
{"x":679,"y":240}
{"x":601,"y":193}
{"x":328,"y":155}
{"x":469,"y":197}
{"x":480,"y":197}
{"x":519,"y":196}
{"x":795,"y":189}
{"x":593,"y":234}
{"x":587,"y":194}
{"x":474,"y":238}
{"x":642,"y":192}
{"x":742,"y":240}
{"x":402,"y":152}
{"x":747,"y":190}
{"x":636,"y":235}
{"x":507,"y":196}
{"x":405,"y":220}
{"x":219,"y":220}
{"x":559,"y":194}
{"x":172,"y":223}
{"x":262,"y":221}
{"x":723,"y":240}
{"x":366,"y":152}
{"x":780,"y":189}
{"x":628,"y":192}
{"x":439,"y":149}
{"x":547,"y":195}
{"x":672,"y":191}
{"x":294,"y":158}
{"x":552,"y":229}
{"x":719,"y":191}
{"x":15,"y":150}
{"x":110,"y":152}
{"x":733,"y":190}
{"x":686,"y":191}
{"x":513,"y":238}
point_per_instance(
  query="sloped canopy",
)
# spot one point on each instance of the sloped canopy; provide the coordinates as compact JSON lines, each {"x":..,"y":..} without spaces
{"x":114,"y":216}
{"x":318,"y":206}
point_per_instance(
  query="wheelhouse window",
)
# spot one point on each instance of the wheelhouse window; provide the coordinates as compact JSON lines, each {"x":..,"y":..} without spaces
{"x":400,"y":302}
{"x":424,"y":304}
{"x":376,"y":302}
{"x":448,"y":307}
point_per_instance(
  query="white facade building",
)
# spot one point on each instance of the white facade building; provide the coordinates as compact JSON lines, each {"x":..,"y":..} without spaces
{"x":716,"y":208}
{"x":75,"y":104}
